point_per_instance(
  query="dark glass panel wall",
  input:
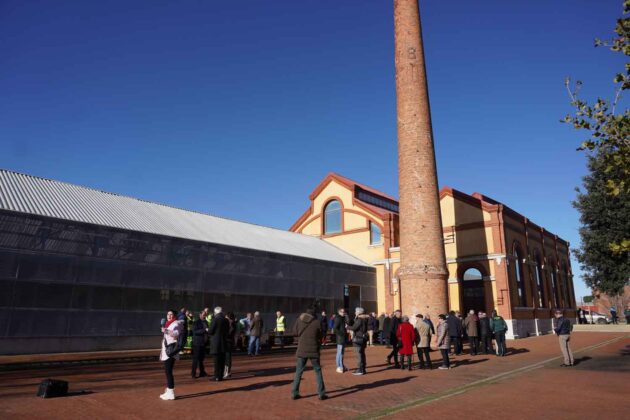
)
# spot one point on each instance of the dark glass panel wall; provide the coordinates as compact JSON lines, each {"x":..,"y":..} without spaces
{"x":75,"y":287}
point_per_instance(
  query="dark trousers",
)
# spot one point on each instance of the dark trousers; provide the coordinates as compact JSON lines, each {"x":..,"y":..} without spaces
{"x":424,"y":351}
{"x":168,"y":369}
{"x":299,"y":369}
{"x":198,"y":354}
{"x":219,"y":365}
{"x":228,"y":361}
{"x":456,"y":342}
{"x":404,"y":357}
{"x":474,"y":344}
{"x":486,"y":344}
{"x":359,"y":352}
{"x":445,"y":361}
{"x":394,"y":353}
{"x":181,"y":341}
{"x":500,"y":337}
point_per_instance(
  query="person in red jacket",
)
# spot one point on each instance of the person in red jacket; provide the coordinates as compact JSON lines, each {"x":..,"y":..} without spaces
{"x":406,"y":335}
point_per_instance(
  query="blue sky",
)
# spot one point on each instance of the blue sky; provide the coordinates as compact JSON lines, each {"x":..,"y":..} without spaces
{"x":240,"y":108}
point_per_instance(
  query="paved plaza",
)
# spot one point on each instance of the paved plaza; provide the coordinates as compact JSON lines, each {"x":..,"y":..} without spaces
{"x":528,"y":382}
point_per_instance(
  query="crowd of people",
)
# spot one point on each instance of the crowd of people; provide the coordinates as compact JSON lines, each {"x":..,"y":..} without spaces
{"x":219,"y":335}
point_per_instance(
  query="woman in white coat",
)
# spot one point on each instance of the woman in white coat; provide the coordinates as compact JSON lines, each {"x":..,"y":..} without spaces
{"x":171,"y":330}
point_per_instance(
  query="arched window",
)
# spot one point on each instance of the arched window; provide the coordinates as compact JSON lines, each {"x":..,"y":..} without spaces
{"x":472,"y":274}
{"x":375,"y":234}
{"x":518,"y":273}
{"x":565,"y":278}
{"x":332,"y":217}
{"x":539,"y":280}
{"x":554,"y":283}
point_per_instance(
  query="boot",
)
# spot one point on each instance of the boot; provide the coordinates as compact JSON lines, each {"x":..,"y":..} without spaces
{"x":168,"y":395}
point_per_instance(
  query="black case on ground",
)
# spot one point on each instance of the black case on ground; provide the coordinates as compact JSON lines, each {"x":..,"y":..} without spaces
{"x":51,"y":388}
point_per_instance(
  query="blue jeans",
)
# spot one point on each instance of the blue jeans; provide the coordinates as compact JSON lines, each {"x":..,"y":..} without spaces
{"x":340,"y":350}
{"x":254,"y":344}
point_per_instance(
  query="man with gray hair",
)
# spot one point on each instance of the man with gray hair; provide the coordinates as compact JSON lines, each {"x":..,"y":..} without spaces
{"x":471,"y":326}
{"x":218,"y":332}
{"x":359,"y":339}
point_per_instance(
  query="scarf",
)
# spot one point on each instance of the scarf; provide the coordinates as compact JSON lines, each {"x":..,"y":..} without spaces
{"x":169,"y":323}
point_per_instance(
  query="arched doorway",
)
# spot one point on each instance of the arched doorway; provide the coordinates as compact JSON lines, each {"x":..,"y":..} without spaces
{"x":473,"y":291}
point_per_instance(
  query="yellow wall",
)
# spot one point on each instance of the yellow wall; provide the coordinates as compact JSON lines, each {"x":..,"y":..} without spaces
{"x":356,"y":241}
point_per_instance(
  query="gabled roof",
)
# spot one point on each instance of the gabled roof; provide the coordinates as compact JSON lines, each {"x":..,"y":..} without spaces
{"x":44,"y":197}
{"x":475,"y":199}
{"x":353,"y":185}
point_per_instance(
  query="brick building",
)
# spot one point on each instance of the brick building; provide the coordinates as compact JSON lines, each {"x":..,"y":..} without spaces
{"x":496,"y":257}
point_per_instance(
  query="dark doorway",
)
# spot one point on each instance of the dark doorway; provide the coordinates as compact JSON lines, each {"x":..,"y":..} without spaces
{"x":473,"y":291}
{"x":351,"y":297}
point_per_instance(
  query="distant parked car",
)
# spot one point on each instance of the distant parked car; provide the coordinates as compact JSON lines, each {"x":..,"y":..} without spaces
{"x":597,"y":318}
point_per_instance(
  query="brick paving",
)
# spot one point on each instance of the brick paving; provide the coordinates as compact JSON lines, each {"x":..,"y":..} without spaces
{"x":260,"y":388}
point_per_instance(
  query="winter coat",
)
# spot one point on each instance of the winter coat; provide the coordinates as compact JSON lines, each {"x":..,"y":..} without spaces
{"x":339,"y":329}
{"x":231,"y":336}
{"x":444,"y":335}
{"x":455,"y":328}
{"x":218,"y":332}
{"x":406,"y":336}
{"x":563,"y":326}
{"x":182,"y":317}
{"x":170,"y":335}
{"x":360,"y":328}
{"x":498,"y":324}
{"x":324,"y":324}
{"x":381,"y":322}
{"x":484,"y":327}
{"x":257,"y":327}
{"x":424,"y":332}
{"x":308,"y":330}
{"x":471,"y":324}
{"x":372,"y":324}
{"x":387,"y":326}
{"x":199,"y":333}
{"x":394,"y":330}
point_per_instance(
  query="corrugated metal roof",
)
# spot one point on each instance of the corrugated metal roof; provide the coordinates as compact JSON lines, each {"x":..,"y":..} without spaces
{"x":44,"y":197}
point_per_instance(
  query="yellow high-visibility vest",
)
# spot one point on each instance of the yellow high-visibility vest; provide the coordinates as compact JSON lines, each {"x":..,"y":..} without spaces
{"x":280,"y":324}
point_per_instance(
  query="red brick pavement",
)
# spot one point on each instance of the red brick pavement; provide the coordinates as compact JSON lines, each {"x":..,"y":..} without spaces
{"x":260,"y":387}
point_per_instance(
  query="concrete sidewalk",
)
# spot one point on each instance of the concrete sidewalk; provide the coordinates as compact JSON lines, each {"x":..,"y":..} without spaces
{"x":526,"y":384}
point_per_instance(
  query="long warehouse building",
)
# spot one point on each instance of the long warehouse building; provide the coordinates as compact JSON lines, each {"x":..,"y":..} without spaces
{"x":83,"y":270}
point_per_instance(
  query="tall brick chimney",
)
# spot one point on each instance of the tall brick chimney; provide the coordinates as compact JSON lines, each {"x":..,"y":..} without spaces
{"x":423,"y":273}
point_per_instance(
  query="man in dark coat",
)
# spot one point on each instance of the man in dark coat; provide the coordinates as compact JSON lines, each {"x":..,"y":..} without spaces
{"x":381,"y":325}
{"x":218,"y":332}
{"x":339,"y":330}
{"x":199,"y":338}
{"x":308,"y":330}
{"x":387,"y":328}
{"x":255,"y":333}
{"x":455,"y":331}
{"x":485,"y":333}
{"x":183,"y":336}
{"x":393,"y":340}
{"x":359,"y":341}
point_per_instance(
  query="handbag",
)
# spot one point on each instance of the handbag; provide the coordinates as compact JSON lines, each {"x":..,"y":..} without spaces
{"x":359,"y":337}
{"x":50,"y":388}
{"x":359,"y":340}
{"x":172,"y":349}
